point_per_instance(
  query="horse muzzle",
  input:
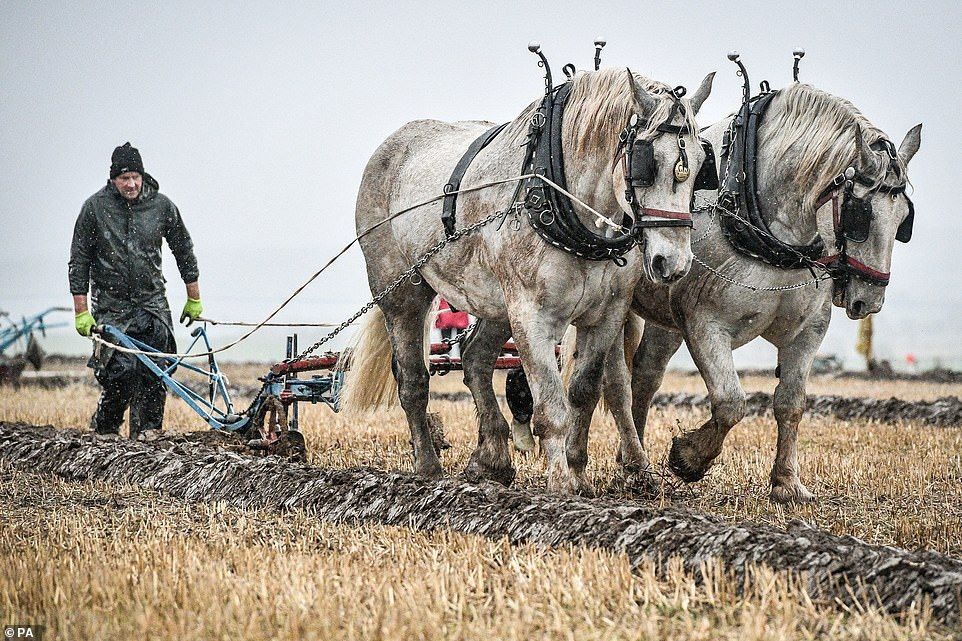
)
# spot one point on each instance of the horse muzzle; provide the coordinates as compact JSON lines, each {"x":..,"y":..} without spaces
{"x":859,"y":299}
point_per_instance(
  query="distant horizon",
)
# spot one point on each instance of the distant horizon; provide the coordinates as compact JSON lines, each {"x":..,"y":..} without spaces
{"x":267,"y":346}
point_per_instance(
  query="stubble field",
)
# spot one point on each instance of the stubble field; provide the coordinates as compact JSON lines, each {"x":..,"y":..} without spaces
{"x":98,"y":562}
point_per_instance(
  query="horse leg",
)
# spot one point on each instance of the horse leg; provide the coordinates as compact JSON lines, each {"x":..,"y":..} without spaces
{"x":617,"y":392}
{"x":536,"y":337}
{"x":693,"y":453}
{"x":405,"y":323}
{"x":491,"y":460}
{"x":648,"y":367}
{"x":794,"y":364}
{"x":594,"y":345}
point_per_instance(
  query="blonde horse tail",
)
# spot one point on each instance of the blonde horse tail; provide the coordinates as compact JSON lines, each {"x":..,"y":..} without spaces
{"x":370,"y":383}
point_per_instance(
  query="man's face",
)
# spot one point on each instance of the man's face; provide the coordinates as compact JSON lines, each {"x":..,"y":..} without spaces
{"x":129,"y":184}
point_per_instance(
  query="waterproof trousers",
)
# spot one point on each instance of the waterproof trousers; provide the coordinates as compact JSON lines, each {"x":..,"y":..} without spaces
{"x":129,"y":383}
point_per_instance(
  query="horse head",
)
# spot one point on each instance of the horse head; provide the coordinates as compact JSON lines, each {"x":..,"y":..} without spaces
{"x":653,"y":177}
{"x":873,"y":212}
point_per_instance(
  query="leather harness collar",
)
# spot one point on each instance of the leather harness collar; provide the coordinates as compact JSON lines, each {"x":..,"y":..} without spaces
{"x":551,"y":213}
{"x":740,"y":194}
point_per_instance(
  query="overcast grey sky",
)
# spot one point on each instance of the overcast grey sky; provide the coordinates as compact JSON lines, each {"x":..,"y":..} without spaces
{"x":258,"y":121}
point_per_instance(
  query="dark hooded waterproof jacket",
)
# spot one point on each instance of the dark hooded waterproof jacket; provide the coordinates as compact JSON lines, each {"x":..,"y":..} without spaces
{"x":116,"y":252}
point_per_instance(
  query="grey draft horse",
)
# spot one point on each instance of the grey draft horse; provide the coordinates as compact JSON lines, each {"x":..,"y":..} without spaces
{"x":808,"y":138}
{"x":507,"y":274}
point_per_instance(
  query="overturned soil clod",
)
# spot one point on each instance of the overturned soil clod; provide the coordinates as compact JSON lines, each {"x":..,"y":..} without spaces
{"x":836,"y":568}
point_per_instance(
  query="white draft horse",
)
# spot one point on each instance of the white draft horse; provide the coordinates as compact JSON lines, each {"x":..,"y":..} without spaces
{"x":806,"y":143}
{"x":507,"y":274}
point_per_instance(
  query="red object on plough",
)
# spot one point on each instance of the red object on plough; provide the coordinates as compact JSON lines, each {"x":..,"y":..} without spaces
{"x":440,"y":363}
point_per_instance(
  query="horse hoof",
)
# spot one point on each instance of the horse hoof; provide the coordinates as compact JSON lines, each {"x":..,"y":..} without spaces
{"x":431,"y":472}
{"x":679,"y":462}
{"x":477,"y":472}
{"x":791,"y":493}
{"x":633,"y":463}
{"x":570,"y":483}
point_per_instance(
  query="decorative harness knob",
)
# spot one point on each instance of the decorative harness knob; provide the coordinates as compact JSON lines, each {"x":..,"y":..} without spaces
{"x":733,"y":55}
{"x":798,"y":54}
{"x":534,"y":46}
{"x":599,"y":45}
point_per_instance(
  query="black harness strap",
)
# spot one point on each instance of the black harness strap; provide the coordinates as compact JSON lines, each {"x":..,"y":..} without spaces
{"x":450,"y":205}
{"x":551,"y":213}
{"x":742,"y":188}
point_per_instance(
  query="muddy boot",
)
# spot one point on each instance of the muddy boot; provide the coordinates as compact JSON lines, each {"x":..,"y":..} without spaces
{"x":151,"y":436}
{"x":102,"y":434}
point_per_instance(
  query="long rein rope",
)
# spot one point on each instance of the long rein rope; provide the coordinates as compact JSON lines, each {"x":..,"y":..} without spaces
{"x":601,"y":219}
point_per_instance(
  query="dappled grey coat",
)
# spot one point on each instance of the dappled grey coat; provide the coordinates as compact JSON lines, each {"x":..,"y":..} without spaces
{"x":116,"y":251}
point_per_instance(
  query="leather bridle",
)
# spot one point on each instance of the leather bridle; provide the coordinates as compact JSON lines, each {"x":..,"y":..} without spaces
{"x":851,"y":218}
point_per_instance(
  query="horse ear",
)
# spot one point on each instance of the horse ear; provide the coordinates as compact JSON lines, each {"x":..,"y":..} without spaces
{"x":701,"y":94}
{"x":910,"y":144}
{"x":648,"y":102}
{"x":866,"y":159}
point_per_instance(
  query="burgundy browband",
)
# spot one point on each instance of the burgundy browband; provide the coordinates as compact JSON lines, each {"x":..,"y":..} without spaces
{"x":860,"y":269}
{"x":664,"y":213}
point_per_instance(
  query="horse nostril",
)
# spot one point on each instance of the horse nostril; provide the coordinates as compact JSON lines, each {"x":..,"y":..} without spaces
{"x":858,"y":307}
{"x":660,"y":266}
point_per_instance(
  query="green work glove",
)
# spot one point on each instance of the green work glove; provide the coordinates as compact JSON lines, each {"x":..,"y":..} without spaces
{"x":192,"y":310}
{"x":84,"y":322}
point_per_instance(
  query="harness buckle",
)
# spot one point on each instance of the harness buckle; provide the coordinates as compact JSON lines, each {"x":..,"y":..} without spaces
{"x":538,"y":121}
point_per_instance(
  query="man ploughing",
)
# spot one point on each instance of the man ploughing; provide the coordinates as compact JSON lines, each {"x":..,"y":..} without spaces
{"x":116,"y":254}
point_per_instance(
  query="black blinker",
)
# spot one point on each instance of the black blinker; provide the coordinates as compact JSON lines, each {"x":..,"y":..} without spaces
{"x":856,"y":219}
{"x":707,"y":177}
{"x":642,"y":164}
{"x":904,"y":232}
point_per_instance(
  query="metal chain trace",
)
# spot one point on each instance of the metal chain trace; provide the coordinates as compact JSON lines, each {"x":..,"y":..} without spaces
{"x":404,"y":276}
{"x":715,"y":207}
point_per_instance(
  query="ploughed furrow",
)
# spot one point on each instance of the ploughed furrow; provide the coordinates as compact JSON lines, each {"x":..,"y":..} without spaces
{"x":943,"y":412}
{"x":834,"y":568}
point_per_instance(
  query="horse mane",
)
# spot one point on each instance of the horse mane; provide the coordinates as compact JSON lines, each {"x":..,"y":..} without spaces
{"x":601,"y":102}
{"x":813,"y":129}
{"x":599,"y":106}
